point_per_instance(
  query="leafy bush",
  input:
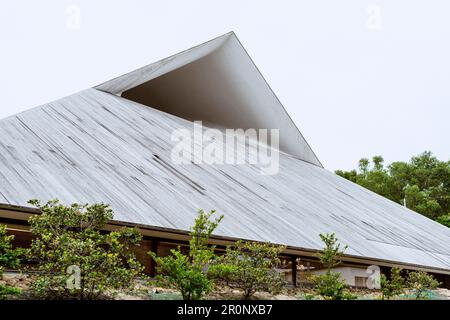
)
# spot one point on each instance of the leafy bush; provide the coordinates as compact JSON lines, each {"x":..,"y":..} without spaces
{"x":306,"y":296}
{"x":75,"y":258}
{"x":6,"y":292}
{"x":393,"y":286}
{"x":330,"y":285}
{"x":421,"y":282}
{"x":251,"y":267}
{"x":188,"y":272}
{"x":9,"y":257}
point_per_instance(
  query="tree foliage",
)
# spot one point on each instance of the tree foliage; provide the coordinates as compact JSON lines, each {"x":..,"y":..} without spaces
{"x":423,"y":183}
{"x":69,"y":238}
{"x":444,"y":219}
{"x":188,"y":272}
{"x":330,"y":256}
{"x":330,"y":285}
{"x":250,"y":266}
{"x":9,"y":256}
{"x":393,"y":286}
{"x":420,"y":282}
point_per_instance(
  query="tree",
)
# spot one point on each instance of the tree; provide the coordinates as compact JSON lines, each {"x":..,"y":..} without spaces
{"x":423,"y":183}
{"x":9,"y":258}
{"x":188,"y":272}
{"x":445,"y":220}
{"x":76,"y":259}
{"x":420,"y":282}
{"x":393,"y":286}
{"x":251,"y":267}
{"x":330,"y":256}
{"x":422,"y":201}
{"x":364,"y":166}
{"x":330,"y":285}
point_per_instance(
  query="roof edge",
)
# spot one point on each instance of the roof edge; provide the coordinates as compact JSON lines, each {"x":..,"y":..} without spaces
{"x":293,"y":250}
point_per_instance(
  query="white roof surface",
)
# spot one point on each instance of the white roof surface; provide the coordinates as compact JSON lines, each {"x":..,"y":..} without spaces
{"x":96,"y":146}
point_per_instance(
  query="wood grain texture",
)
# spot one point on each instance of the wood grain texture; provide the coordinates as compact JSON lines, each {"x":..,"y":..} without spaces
{"x":97,"y":147}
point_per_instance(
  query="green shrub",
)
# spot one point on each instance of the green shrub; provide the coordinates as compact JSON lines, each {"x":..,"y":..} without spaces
{"x":330,"y":285}
{"x":9,"y":257}
{"x":77,"y":260}
{"x":251,"y":267}
{"x":394,"y":286}
{"x":306,"y":296}
{"x":188,"y":272}
{"x":6,"y":292}
{"x":420,"y":282}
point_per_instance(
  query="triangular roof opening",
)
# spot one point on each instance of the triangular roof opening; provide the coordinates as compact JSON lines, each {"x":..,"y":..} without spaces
{"x":217,"y":83}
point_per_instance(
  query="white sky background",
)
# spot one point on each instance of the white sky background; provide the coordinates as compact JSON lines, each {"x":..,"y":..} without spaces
{"x":356,"y":83}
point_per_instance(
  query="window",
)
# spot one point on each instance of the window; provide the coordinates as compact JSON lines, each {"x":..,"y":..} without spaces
{"x":361,"y":282}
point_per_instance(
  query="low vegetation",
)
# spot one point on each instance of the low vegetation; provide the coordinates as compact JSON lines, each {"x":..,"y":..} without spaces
{"x":7,"y":291}
{"x":393,"y":286}
{"x":250,"y":267}
{"x":74,"y":258}
{"x":330,"y":285}
{"x":188,"y":273}
{"x":9,"y":258}
{"x":421,"y":282}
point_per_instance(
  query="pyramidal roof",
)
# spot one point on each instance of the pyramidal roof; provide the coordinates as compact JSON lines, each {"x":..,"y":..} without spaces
{"x":113,"y":144}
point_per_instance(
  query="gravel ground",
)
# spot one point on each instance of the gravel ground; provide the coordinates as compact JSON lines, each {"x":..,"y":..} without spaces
{"x":145,"y":291}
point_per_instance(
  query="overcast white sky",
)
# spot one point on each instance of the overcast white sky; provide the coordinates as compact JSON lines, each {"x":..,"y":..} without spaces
{"x":358,"y":77}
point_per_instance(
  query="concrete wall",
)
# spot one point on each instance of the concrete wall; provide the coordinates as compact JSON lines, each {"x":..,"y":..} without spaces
{"x":348,"y":274}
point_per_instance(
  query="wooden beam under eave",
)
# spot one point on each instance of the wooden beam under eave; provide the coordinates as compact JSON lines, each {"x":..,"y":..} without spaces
{"x":15,"y":215}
